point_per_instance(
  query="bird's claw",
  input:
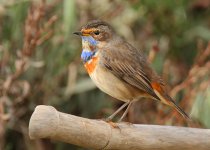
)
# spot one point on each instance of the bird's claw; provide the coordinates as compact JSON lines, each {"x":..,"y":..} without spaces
{"x":110,"y":122}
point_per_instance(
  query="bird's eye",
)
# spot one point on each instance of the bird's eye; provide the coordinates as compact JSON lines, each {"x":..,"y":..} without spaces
{"x":96,"y":32}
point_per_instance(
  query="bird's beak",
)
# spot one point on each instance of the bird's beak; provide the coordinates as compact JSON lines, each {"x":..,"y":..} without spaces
{"x":78,"y":33}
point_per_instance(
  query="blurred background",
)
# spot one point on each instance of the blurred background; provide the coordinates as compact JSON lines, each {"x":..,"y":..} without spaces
{"x":40,"y":61}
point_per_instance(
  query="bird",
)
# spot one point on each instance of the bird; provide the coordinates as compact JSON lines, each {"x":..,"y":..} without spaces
{"x":119,"y":69}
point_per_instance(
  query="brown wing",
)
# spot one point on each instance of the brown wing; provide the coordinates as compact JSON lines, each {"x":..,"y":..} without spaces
{"x":130,"y":65}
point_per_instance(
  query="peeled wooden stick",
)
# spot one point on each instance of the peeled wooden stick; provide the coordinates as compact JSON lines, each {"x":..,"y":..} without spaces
{"x":47,"y":122}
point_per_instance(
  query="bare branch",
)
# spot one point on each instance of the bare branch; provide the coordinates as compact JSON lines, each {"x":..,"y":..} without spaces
{"x":47,"y":122}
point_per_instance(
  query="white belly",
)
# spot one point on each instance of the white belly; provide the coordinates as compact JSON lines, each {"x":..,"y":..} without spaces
{"x":111,"y":85}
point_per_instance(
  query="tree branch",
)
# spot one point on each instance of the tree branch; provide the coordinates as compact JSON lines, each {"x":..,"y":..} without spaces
{"x":47,"y":122}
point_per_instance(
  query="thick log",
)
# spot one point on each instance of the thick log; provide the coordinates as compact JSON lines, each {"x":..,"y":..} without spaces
{"x":47,"y":122}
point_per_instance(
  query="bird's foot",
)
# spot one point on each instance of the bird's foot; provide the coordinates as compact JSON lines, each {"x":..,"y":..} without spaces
{"x":113,"y":124}
{"x":110,"y":122}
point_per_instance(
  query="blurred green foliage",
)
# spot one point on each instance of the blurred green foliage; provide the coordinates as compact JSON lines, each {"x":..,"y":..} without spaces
{"x":201,"y":107}
{"x":56,"y":75}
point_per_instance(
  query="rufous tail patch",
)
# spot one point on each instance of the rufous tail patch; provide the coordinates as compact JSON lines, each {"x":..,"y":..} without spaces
{"x":156,"y":86}
{"x":165,"y":98}
{"x":159,"y":91}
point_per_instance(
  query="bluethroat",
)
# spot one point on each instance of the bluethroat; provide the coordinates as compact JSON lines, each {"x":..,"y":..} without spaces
{"x":119,"y":69}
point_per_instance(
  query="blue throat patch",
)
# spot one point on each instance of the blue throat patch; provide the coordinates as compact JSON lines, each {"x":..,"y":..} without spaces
{"x":87,"y":55}
{"x":90,"y":40}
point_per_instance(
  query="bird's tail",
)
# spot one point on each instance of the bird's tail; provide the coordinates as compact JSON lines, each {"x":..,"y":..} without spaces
{"x":175,"y":106}
{"x":166,"y":99}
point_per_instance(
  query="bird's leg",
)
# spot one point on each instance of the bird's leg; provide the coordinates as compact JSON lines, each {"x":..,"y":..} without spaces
{"x":126,"y":111}
{"x":117,"y":111}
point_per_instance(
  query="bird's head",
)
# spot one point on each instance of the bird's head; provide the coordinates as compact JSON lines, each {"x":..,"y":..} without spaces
{"x":95,"y":34}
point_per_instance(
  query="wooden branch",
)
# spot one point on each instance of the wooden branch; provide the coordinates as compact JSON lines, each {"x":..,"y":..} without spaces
{"x":47,"y":122}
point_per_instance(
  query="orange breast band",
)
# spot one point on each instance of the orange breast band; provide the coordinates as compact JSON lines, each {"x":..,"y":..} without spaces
{"x":91,"y":65}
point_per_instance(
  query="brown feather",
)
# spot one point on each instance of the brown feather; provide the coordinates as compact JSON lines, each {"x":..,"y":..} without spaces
{"x":130,"y":65}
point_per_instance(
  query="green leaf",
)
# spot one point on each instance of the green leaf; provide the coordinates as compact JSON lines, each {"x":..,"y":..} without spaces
{"x":68,"y":16}
{"x":199,"y":31}
{"x":201,"y":107}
